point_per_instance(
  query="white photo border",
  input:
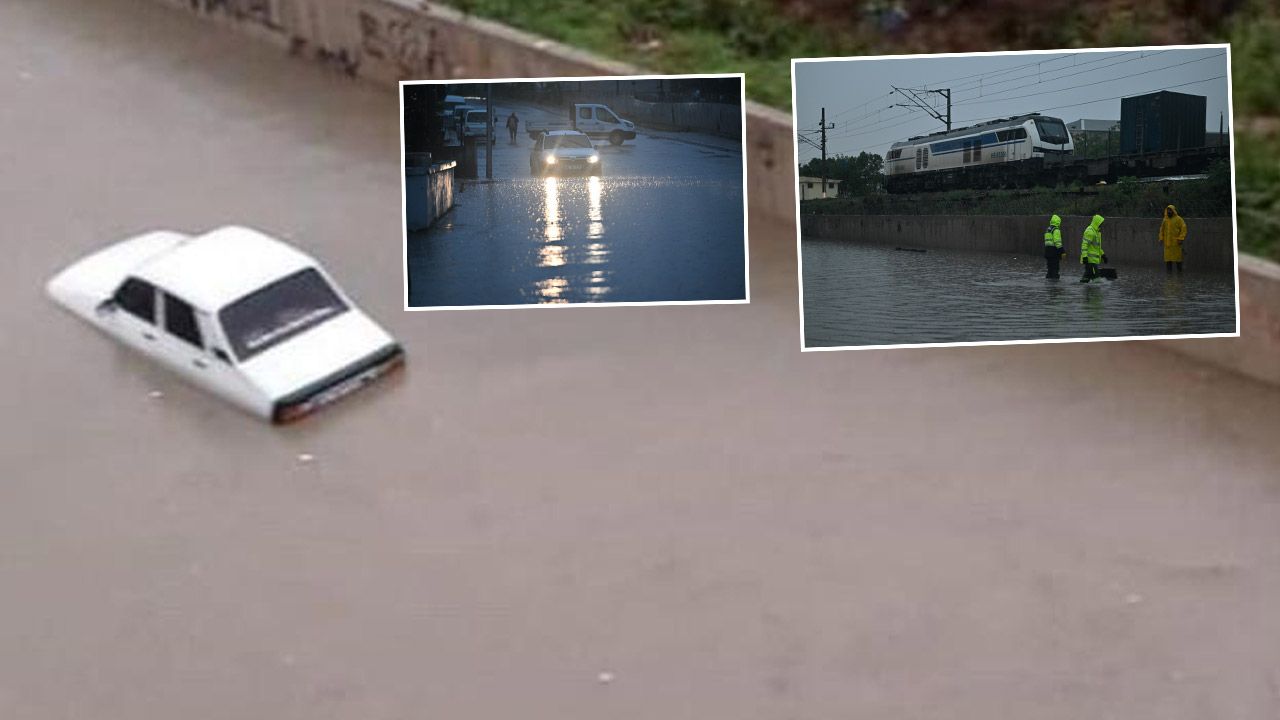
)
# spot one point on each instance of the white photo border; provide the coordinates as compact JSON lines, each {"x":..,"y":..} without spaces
{"x":404,"y":209}
{"x":795,"y":168}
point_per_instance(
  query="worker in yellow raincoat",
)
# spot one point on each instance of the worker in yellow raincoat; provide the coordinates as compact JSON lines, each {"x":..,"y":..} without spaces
{"x":1091,"y":250}
{"x":1173,"y":230}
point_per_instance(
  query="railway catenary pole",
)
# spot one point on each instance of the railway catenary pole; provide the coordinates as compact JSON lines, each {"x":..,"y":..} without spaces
{"x":488,"y":121}
{"x":913,"y":94}
{"x":823,"y":127}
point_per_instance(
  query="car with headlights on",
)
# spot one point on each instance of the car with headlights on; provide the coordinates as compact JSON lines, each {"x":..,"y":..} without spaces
{"x":234,"y":311}
{"x":564,"y":152}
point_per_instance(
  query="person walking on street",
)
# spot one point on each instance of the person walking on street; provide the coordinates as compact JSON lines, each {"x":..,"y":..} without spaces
{"x":513,"y":124}
{"x":1173,"y":230}
{"x":1053,"y":252}
{"x":1091,"y":250}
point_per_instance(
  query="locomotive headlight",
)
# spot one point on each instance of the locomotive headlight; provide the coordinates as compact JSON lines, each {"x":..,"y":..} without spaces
{"x":593,"y":159}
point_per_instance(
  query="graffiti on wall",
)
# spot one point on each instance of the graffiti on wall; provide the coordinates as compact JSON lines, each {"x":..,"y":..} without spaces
{"x":258,"y":12}
{"x":405,"y":42}
{"x":395,"y":37}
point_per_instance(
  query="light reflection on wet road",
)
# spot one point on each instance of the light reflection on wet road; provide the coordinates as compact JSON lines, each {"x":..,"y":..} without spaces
{"x":856,"y":294}
{"x":664,"y":223}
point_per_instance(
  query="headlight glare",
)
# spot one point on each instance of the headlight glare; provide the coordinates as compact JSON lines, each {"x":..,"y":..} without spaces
{"x":550,"y":159}
{"x":593,"y":159}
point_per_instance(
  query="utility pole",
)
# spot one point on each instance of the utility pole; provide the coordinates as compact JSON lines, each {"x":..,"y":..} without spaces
{"x":488,"y":153}
{"x":823,"y":127}
{"x":914,"y":95}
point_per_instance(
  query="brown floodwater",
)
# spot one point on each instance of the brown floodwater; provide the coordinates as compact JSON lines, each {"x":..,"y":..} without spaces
{"x":677,"y":498}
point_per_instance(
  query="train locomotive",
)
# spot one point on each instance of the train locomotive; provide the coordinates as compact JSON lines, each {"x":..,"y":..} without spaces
{"x":1010,"y":152}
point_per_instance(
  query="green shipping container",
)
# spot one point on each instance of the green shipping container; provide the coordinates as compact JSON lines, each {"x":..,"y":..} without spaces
{"x":1162,"y":121}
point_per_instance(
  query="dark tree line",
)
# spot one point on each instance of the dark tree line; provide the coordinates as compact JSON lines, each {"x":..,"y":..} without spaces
{"x":860,"y":175}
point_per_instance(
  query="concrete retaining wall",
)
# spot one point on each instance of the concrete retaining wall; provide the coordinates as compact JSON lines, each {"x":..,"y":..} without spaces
{"x":1127,"y":241}
{"x":713,"y":118}
{"x":391,"y":40}
{"x":428,"y":194}
{"x":1256,"y":353}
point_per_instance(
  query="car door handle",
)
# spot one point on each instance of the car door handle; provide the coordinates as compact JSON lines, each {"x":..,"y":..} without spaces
{"x":149,"y":336}
{"x":200,"y":363}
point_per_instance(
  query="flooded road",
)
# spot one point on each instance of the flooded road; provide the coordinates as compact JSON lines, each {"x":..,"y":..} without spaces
{"x":675,"y":496}
{"x":857,"y":294}
{"x":664,"y":223}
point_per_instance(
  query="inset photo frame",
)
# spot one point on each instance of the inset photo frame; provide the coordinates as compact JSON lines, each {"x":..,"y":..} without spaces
{"x":553,"y":192}
{"x":1015,"y":197}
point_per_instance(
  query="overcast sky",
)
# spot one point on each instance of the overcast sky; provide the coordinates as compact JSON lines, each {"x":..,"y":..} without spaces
{"x":859,"y":97}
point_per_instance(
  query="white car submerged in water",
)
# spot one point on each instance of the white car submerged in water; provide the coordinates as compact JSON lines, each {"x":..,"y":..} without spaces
{"x":234,"y":311}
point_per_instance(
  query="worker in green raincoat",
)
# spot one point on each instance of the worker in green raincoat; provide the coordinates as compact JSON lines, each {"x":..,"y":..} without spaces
{"x":1173,"y":230}
{"x":1091,"y":250}
{"x":1053,"y":252}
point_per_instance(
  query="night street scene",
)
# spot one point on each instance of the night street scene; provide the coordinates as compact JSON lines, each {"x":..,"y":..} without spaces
{"x":593,"y":191}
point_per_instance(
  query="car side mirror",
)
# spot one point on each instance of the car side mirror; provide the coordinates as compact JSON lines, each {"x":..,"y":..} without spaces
{"x":221,"y":354}
{"x":108,"y":306}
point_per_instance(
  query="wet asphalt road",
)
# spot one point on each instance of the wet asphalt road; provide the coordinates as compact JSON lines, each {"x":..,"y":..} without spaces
{"x":664,"y":222}
{"x":676,"y":496}
{"x":866,"y":294}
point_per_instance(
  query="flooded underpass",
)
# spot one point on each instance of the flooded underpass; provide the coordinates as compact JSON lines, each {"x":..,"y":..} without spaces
{"x":869,"y":294}
{"x":631,"y":512}
{"x":663,"y":222}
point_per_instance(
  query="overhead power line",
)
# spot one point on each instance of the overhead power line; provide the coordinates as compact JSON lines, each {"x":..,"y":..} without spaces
{"x":1090,"y":84}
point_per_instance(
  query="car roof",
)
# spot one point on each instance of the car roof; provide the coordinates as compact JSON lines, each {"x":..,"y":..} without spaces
{"x":219,"y":267}
{"x":563,"y":132}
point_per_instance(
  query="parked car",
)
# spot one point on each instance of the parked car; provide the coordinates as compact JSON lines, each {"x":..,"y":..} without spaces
{"x":561,"y":152}
{"x":473,"y":122}
{"x":235,"y":312}
{"x":594,"y":119}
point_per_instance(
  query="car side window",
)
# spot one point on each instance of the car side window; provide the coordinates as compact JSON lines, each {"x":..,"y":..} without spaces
{"x":584,"y":113}
{"x":138,"y":298}
{"x":180,"y":320}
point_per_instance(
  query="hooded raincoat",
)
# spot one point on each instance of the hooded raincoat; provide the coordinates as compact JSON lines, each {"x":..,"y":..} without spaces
{"x":1053,"y":233}
{"x":1091,"y":244}
{"x":1172,"y":232}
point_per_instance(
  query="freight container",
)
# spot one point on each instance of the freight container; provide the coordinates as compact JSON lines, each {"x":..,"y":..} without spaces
{"x":1162,"y":121}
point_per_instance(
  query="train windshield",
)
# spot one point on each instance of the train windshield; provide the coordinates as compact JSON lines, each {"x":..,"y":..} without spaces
{"x":1052,"y":131}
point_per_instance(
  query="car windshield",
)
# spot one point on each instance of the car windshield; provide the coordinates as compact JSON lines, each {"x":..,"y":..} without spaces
{"x":269,"y":316}
{"x":1052,"y":130}
{"x":605,"y":115}
{"x":476,"y":116}
{"x":555,"y":142}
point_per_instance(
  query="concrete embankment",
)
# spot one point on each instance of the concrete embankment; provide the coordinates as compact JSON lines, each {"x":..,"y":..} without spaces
{"x":1256,"y":352}
{"x":713,"y":118}
{"x":1127,"y":241}
{"x":390,"y":40}
{"x":428,"y":192}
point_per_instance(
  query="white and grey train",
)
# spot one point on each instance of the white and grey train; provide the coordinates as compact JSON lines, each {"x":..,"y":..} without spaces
{"x":999,"y":153}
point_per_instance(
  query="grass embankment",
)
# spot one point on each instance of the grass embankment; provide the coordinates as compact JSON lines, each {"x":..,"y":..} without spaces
{"x":1193,"y":198}
{"x":759,"y":37}
{"x":1258,"y":194}
{"x":678,"y":36}
{"x":1255,"y":69}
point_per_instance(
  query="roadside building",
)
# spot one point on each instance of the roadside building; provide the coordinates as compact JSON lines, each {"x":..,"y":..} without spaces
{"x":1095,"y":138}
{"x":811,"y":188}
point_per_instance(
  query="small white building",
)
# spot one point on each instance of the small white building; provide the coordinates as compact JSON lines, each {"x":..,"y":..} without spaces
{"x":811,"y":188}
{"x":1086,"y":125}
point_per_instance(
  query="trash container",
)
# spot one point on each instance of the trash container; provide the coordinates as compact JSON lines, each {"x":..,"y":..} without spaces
{"x":468,"y":167}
